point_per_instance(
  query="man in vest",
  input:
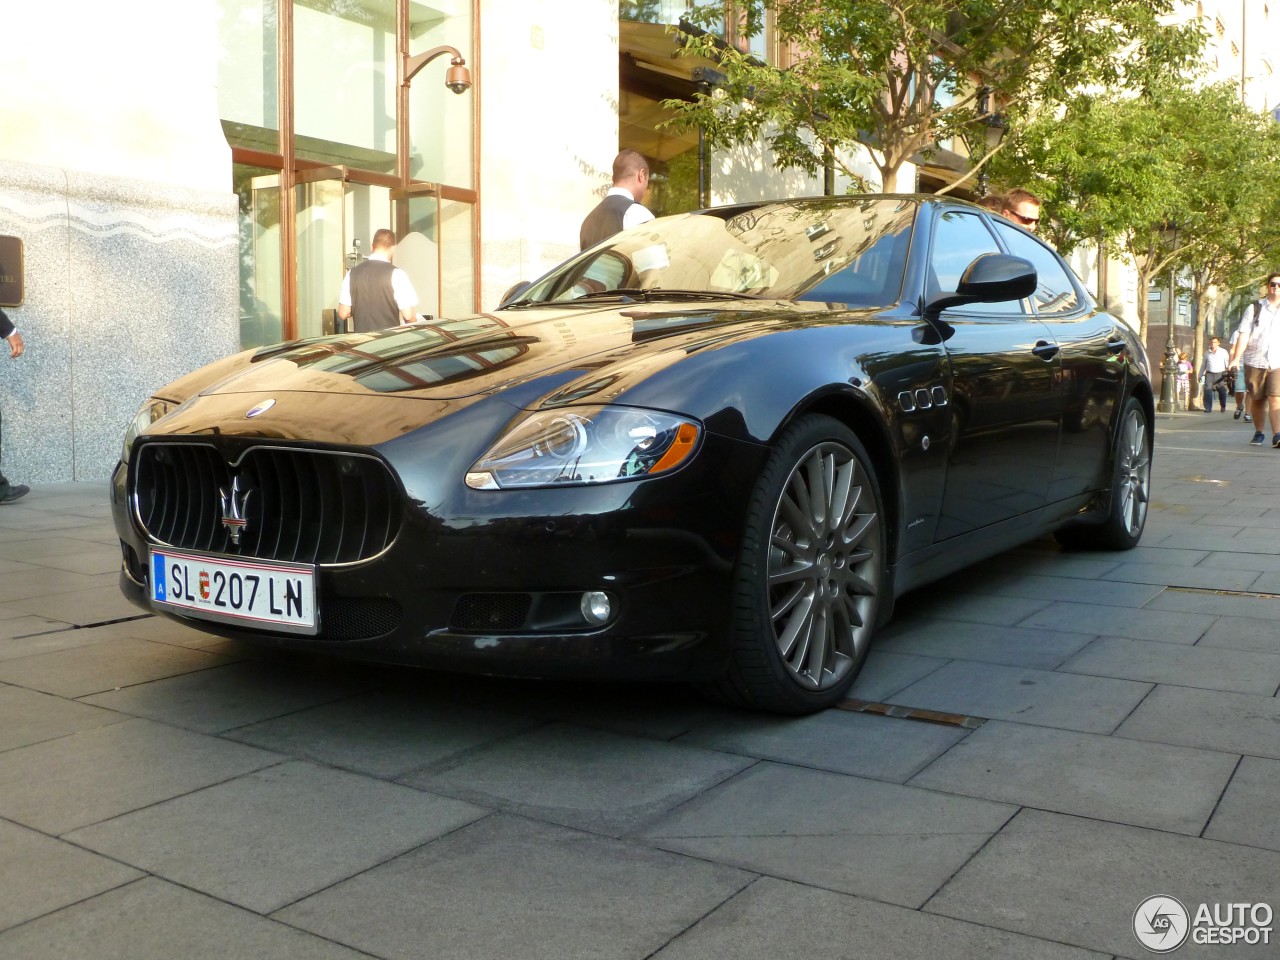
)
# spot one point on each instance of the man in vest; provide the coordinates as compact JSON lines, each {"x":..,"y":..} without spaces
{"x":621,"y":207}
{"x":375,"y":292}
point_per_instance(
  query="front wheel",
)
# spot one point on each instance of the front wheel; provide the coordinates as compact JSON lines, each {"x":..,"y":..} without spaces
{"x":811,"y":572}
{"x":1130,"y":489}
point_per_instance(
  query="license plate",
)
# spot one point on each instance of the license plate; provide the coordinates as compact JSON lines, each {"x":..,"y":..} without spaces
{"x":250,"y":592}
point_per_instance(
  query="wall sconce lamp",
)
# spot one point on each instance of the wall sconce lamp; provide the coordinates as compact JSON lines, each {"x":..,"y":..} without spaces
{"x":457,"y":78}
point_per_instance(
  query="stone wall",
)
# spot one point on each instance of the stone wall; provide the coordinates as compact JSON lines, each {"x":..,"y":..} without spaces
{"x":128,"y":285}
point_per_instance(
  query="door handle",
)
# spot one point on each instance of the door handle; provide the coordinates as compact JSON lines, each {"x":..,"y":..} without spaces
{"x":1045,"y":350}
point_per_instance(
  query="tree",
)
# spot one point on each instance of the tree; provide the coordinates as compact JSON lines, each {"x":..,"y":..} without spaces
{"x":900,"y":77}
{"x":1177,"y":177}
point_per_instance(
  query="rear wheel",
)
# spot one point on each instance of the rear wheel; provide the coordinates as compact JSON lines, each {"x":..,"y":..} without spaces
{"x":810,"y":573}
{"x":1130,"y":489}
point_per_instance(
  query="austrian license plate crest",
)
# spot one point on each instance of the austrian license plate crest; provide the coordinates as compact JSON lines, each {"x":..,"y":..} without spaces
{"x":252,"y":593}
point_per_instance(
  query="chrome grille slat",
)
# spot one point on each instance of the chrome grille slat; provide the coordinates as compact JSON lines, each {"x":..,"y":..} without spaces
{"x":304,"y":506}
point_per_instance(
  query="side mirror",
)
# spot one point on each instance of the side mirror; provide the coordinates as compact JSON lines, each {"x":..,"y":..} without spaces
{"x":991,"y":278}
{"x":513,"y":293}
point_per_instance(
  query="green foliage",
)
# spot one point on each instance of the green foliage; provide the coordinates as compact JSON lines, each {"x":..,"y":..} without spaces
{"x":901,"y":76}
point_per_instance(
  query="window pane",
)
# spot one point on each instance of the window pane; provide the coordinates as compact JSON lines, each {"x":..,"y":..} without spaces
{"x":439,"y":119}
{"x":344,"y":82}
{"x":456,"y":264}
{"x":247,"y":36}
{"x":320,"y":252}
{"x":958,"y":240}
{"x":261,"y":301}
{"x":1055,"y":293}
{"x":418,"y":253}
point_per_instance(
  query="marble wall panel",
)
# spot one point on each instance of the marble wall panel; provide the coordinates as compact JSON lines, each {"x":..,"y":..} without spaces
{"x":129,"y":284}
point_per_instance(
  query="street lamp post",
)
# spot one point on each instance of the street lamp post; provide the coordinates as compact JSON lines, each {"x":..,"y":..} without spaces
{"x":995,"y":129}
{"x":1169,"y":370}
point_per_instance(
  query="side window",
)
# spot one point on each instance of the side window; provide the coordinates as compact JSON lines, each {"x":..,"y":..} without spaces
{"x":959,"y":238}
{"x":1055,"y":293}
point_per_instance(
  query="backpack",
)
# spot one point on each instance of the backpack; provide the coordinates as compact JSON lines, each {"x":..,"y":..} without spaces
{"x":1257,"y":312}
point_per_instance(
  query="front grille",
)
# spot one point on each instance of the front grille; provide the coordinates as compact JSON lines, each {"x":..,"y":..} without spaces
{"x":298,"y":505}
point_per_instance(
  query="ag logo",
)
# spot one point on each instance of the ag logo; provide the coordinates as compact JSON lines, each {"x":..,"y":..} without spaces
{"x":1161,"y":924}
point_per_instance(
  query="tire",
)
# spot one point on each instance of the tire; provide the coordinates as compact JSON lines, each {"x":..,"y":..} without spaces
{"x":1130,"y":489}
{"x":810,"y":574}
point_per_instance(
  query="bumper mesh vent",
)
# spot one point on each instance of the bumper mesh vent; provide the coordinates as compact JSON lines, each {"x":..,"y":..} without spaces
{"x":298,"y":505}
{"x":491,"y":611}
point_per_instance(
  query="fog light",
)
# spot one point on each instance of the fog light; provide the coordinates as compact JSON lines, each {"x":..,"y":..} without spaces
{"x":596,"y":607}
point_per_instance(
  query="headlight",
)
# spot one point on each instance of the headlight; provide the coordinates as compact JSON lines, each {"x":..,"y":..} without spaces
{"x":150,"y":411}
{"x":598,"y":444}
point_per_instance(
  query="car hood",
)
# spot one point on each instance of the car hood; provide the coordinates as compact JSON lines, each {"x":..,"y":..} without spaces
{"x":463,"y":358}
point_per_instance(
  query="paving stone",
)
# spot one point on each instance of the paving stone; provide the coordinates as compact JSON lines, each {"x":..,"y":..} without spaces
{"x":1175,"y":663}
{"x":985,"y":608}
{"x":1079,"y":881}
{"x":774,"y":919}
{"x":95,"y":774}
{"x":98,"y":604}
{"x":1042,"y":697}
{"x":1058,"y":563}
{"x":1247,"y":812}
{"x":1144,"y":624}
{"x":1200,"y":578}
{"x":1243,"y":633}
{"x":98,"y":667}
{"x":384,"y":734}
{"x":1231,"y":722}
{"x":887,"y":672}
{"x":1164,"y":556}
{"x":1200,"y":603}
{"x":40,"y":874}
{"x":230,"y":696}
{"x":582,"y":778}
{"x":1257,"y":562}
{"x":865,"y":837}
{"x":154,"y":920}
{"x":1074,"y":590}
{"x":298,"y":828}
{"x":28,"y":636}
{"x":865,"y":745}
{"x":1108,"y":778}
{"x":1013,"y":646}
{"x":27,"y":716}
{"x":655,"y":710}
{"x":511,"y":888}
{"x":37,"y":582}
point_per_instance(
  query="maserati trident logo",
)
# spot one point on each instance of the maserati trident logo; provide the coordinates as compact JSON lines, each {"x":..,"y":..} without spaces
{"x":233,"y":507}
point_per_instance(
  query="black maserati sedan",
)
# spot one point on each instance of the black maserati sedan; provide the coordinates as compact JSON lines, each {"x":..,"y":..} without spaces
{"x":714,"y":448}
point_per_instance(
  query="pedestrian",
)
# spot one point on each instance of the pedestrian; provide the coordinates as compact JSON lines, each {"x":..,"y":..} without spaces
{"x":1237,"y":383}
{"x":376,"y":292}
{"x":1022,"y":207}
{"x":1258,"y":347}
{"x":621,"y":207}
{"x":10,"y":492}
{"x":1184,"y":380}
{"x":1215,"y":375}
{"x":993,"y":201}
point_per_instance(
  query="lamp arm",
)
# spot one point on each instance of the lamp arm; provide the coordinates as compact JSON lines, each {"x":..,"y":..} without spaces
{"x":411,"y":65}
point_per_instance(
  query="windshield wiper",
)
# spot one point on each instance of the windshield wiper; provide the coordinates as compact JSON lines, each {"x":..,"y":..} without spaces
{"x":658,"y":294}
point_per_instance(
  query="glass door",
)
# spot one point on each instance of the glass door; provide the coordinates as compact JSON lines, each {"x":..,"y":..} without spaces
{"x":320,"y":248}
{"x":336,"y":220}
{"x":437,"y":248}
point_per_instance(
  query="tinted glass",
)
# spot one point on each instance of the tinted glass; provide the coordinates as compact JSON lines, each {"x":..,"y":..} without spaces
{"x":959,"y":238}
{"x":1055,"y":293}
{"x":838,"y":250}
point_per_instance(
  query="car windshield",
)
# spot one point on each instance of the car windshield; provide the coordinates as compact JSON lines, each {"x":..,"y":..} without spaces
{"x":833,"y":249}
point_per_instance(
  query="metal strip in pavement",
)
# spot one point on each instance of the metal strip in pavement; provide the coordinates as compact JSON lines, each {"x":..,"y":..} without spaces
{"x":911,"y":713}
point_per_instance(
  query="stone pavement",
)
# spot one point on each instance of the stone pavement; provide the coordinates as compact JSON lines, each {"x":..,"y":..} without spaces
{"x":165,"y":794}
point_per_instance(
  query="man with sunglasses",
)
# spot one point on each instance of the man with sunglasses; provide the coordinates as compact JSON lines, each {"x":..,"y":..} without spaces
{"x":1258,"y":345}
{"x":1022,"y":207}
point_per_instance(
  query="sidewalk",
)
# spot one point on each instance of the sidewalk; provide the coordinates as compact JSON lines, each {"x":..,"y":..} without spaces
{"x":1116,"y":735}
